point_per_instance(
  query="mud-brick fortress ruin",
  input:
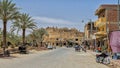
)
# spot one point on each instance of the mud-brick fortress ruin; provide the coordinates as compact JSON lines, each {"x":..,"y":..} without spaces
{"x":61,"y":36}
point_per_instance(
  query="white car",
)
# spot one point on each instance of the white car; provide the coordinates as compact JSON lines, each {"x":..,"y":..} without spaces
{"x":50,"y":47}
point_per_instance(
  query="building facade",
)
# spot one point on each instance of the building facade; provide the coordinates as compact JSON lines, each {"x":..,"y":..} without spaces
{"x":61,"y":36}
{"x":107,"y":22}
{"x":89,"y":38}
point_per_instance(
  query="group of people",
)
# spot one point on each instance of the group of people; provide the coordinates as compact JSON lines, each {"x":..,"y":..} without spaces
{"x":100,"y":58}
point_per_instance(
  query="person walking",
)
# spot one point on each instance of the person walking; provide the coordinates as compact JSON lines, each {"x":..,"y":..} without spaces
{"x":83,"y":47}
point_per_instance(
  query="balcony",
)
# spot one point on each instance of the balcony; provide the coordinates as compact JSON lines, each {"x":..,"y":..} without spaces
{"x":100,"y":33}
{"x":100,"y":22}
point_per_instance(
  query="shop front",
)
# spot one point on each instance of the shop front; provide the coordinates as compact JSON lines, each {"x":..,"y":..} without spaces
{"x":101,"y":41}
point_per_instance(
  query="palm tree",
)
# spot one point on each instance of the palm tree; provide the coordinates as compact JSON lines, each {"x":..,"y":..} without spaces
{"x":1,"y":33}
{"x":39,"y":35}
{"x":8,"y":11}
{"x":22,"y":23}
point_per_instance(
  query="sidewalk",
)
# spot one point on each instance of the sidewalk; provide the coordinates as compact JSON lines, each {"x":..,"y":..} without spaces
{"x":14,"y":52}
{"x":113,"y":63}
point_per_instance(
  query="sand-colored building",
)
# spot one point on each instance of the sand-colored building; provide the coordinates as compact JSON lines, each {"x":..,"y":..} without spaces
{"x":61,"y":36}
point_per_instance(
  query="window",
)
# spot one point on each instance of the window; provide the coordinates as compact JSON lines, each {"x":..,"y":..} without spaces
{"x":103,"y":29}
{"x":57,"y":44}
{"x":56,"y":38}
{"x":76,"y":39}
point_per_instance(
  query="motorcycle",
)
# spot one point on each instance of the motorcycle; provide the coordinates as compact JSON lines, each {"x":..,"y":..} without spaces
{"x":103,"y":58}
{"x":77,"y":48}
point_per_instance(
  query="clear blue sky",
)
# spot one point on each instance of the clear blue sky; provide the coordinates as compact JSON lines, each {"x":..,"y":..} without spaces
{"x":62,"y":13}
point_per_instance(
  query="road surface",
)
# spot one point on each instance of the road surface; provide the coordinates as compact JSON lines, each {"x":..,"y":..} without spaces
{"x":58,"y":58}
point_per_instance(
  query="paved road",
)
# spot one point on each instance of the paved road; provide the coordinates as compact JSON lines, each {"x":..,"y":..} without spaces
{"x":58,"y":58}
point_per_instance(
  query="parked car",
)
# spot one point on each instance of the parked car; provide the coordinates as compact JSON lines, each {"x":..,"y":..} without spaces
{"x":22,"y":49}
{"x":50,"y":47}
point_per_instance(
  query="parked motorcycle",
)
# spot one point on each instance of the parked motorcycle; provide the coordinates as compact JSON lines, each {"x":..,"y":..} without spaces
{"x":77,"y":48}
{"x":103,"y":58}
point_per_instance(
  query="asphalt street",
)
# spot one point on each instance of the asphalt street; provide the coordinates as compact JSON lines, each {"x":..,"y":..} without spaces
{"x":57,"y":58}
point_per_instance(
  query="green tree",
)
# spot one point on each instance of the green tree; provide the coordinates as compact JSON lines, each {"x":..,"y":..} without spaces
{"x":1,"y":32}
{"x":39,"y":35}
{"x":22,"y":23}
{"x":13,"y":38}
{"x":8,"y":11}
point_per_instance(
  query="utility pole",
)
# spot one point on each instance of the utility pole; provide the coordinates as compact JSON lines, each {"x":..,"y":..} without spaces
{"x":107,"y":30}
{"x":91,"y":25}
{"x":118,"y":8}
{"x":90,"y":31}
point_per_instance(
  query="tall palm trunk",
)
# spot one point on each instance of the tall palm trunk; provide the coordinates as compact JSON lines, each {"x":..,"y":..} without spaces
{"x":4,"y":35}
{"x":41,"y":43}
{"x":23,"y":36}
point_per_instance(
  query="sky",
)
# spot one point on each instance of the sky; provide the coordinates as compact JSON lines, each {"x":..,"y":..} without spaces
{"x":61,"y":13}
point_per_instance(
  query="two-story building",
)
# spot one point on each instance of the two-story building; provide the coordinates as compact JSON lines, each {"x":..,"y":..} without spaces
{"x":89,"y":30}
{"x":107,"y":21}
